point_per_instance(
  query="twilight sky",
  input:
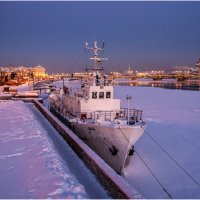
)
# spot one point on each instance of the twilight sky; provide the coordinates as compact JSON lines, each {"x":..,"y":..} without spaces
{"x":145,"y":35}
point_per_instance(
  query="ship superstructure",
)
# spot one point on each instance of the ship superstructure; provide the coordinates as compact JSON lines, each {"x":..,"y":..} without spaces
{"x":95,"y":116}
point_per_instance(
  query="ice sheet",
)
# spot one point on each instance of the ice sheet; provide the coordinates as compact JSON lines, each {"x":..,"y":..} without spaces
{"x":171,"y":152}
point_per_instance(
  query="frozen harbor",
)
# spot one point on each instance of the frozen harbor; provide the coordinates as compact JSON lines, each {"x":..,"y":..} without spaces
{"x":166,"y":162}
{"x":165,"y":165}
{"x":36,"y":162}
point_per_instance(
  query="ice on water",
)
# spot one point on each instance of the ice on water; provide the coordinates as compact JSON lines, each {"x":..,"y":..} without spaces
{"x":173,"y":121}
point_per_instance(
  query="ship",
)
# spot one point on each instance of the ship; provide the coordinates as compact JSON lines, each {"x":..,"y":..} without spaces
{"x":97,"y":118}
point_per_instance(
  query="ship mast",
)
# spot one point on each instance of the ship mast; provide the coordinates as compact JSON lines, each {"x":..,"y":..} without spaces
{"x":97,"y":66}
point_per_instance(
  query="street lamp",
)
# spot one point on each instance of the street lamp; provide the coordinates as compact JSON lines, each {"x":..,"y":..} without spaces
{"x":128,"y":98}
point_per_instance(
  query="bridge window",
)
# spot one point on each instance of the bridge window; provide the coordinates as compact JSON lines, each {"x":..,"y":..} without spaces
{"x":94,"y":95}
{"x":101,"y":95}
{"x":108,"y":95}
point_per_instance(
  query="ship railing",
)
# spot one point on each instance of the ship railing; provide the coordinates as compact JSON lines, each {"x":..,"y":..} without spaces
{"x":122,"y":114}
{"x":63,"y":111}
{"x":134,"y":114}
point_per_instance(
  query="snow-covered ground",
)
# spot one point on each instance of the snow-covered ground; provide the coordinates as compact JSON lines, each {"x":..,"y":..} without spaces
{"x":20,"y":88}
{"x":166,"y":162}
{"x":35,"y":162}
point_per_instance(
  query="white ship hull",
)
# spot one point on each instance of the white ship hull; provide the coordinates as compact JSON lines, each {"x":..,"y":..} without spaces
{"x":111,"y":143}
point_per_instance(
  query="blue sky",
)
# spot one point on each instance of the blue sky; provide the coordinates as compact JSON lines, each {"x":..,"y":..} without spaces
{"x":145,"y":35}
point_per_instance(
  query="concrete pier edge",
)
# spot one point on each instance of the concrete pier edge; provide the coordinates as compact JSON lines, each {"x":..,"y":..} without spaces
{"x":116,"y":186}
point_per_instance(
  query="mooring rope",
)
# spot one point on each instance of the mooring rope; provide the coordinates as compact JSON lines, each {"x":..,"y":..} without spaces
{"x":147,"y":132}
{"x":124,"y":135}
{"x":153,"y":174}
{"x":147,"y":166}
{"x":72,"y":65}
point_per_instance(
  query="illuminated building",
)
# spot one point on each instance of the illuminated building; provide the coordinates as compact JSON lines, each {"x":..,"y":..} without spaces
{"x":39,"y":72}
{"x":128,"y":71}
{"x":198,"y":66}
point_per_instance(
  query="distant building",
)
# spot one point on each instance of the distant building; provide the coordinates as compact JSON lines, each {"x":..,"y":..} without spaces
{"x":116,"y":74}
{"x":39,"y":72}
{"x":21,"y":73}
{"x":198,"y":65}
{"x":128,"y":71}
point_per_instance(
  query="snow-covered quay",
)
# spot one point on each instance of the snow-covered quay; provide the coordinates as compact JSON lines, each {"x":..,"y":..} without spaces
{"x":35,"y":162}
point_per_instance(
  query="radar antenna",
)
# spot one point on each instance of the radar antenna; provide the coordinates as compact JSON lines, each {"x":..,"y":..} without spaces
{"x":97,"y":60}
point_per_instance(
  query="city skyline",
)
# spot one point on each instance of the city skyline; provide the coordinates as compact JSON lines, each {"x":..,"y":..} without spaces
{"x":140,"y":34}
